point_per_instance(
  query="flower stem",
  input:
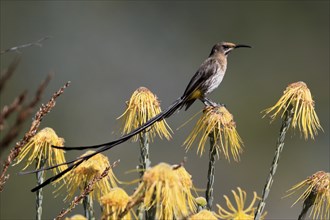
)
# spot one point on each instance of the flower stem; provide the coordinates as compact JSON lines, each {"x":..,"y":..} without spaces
{"x":280,"y":144}
{"x":144,"y":152}
{"x":144,"y":165}
{"x":40,"y":179}
{"x":210,"y":173}
{"x":88,"y":207}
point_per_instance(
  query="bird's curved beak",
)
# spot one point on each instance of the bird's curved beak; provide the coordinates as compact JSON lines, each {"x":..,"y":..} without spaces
{"x":242,"y":45}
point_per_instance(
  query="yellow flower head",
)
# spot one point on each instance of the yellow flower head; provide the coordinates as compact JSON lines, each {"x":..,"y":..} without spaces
{"x":218,"y":123}
{"x":79,"y":177}
{"x":77,"y":217}
{"x":40,"y":147}
{"x":298,"y":99}
{"x":142,"y":106}
{"x":187,"y":185}
{"x":203,"y":214}
{"x":115,"y":203}
{"x":163,"y":190}
{"x":318,"y":190}
{"x":239,"y":213}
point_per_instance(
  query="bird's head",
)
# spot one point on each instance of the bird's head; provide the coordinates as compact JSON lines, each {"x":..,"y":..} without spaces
{"x":225,"y":48}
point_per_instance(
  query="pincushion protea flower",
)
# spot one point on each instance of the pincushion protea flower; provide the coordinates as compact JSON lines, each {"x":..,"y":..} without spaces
{"x":142,"y":106}
{"x":40,"y":147}
{"x":218,"y":123}
{"x":39,"y":150}
{"x":79,"y":177}
{"x":316,"y":195}
{"x":162,"y":189}
{"x":114,"y":203}
{"x":298,"y":99}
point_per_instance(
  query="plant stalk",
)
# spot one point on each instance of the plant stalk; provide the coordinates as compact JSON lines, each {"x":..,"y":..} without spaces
{"x":39,"y":193}
{"x":280,"y":144}
{"x":211,"y":173}
{"x":144,"y":153}
{"x":88,"y":207}
{"x":144,"y":165}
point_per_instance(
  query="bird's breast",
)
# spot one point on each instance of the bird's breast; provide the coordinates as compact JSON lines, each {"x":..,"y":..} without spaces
{"x":214,"y":80}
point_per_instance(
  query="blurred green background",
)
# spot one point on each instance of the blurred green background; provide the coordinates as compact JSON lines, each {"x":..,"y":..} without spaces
{"x":108,"y":49}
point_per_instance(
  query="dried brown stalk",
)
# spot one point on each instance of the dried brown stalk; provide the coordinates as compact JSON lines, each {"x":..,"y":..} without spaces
{"x":7,"y":110}
{"x":88,"y":189}
{"x":130,"y":205}
{"x":23,"y":114}
{"x":6,"y":74}
{"x":44,"y":109}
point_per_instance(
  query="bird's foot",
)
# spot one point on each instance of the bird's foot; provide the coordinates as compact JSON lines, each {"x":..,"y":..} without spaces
{"x":209,"y":102}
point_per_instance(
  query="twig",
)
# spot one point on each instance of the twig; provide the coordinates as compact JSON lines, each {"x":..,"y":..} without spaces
{"x":280,"y":144}
{"x":24,"y":114}
{"x":17,"y":48}
{"x":7,"y":110}
{"x":136,"y":199}
{"x":130,"y":205}
{"x":44,"y":109}
{"x":87,"y":190}
{"x":6,"y":74}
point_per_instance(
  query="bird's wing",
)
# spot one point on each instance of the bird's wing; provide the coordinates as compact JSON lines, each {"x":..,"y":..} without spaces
{"x":207,"y":69}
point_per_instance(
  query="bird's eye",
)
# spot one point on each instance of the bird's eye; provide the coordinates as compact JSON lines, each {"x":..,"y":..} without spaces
{"x":225,"y":47}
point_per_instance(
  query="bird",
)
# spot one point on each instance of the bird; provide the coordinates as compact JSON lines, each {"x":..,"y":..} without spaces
{"x":207,"y":78}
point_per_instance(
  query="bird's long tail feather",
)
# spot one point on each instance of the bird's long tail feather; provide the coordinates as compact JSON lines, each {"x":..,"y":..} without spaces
{"x":104,"y":147}
{"x":165,"y":114}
